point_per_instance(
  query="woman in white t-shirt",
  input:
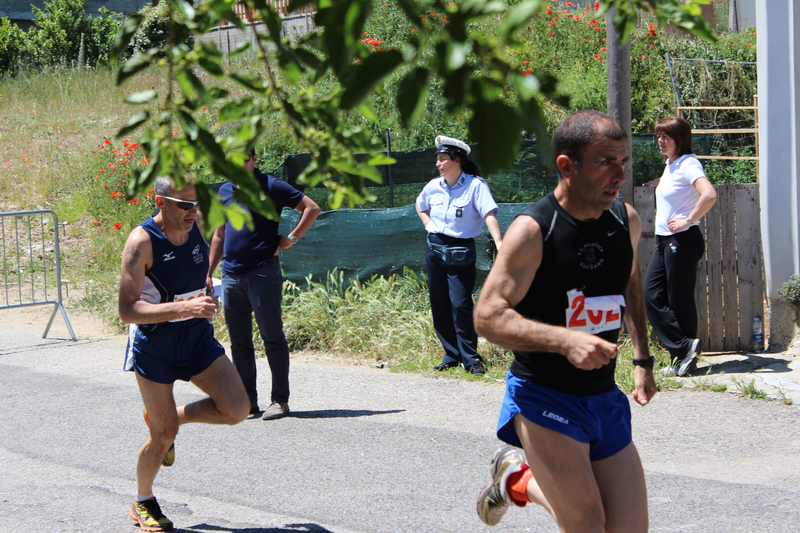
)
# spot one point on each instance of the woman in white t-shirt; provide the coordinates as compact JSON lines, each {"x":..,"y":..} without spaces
{"x":683,"y":196}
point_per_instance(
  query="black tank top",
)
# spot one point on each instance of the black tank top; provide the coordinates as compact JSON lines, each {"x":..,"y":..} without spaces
{"x":178,"y":273}
{"x":580,"y":284}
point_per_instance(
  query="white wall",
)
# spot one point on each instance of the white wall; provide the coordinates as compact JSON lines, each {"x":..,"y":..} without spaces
{"x":779,"y":119}
{"x":741,"y":14}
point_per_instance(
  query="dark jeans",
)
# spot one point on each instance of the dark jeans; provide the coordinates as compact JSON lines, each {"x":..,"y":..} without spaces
{"x":450,"y":289}
{"x":258,"y":291}
{"x":669,"y":289}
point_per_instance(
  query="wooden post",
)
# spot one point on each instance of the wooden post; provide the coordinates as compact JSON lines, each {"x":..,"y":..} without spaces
{"x":619,"y":93}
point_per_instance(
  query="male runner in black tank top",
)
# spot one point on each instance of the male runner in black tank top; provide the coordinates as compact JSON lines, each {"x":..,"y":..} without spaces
{"x":565,"y":279}
{"x":177,"y":340}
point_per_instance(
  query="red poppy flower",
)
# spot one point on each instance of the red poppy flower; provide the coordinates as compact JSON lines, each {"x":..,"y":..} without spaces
{"x":117,"y":225}
{"x":96,"y":223}
{"x":116,"y":194}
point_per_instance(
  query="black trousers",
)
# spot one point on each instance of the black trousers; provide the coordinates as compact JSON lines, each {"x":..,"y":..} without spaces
{"x":669,"y":289}
{"x":450,"y":289}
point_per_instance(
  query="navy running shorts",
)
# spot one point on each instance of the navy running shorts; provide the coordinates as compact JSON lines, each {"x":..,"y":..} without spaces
{"x":603,"y":421}
{"x":170,"y":356}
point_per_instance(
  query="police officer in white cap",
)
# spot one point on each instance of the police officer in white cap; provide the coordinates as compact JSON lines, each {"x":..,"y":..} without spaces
{"x":453,"y":208}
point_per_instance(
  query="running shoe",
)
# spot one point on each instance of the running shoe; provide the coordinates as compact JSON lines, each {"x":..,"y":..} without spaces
{"x":169,"y":457}
{"x":493,"y":500}
{"x":149,"y":516}
{"x":689,"y":362}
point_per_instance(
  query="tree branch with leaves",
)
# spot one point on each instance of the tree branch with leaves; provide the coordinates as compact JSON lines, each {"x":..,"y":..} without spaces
{"x":503,"y":103}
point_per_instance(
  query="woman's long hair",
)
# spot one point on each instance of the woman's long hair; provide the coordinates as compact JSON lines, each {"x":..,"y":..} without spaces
{"x":467,"y":165}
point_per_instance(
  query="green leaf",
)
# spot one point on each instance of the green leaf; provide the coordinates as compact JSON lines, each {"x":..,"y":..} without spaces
{"x":235,"y":110}
{"x":518,"y":16}
{"x":381,"y":159}
{"x":497,"y":129}
{"x":250,"y":81}
{"x":134,"y":122}
{"x":412,"y":13}
{"x":479,"y":8}
{"x":239,"y":217}
{"x":240,"y":49}
{"x":455,"y":54}
{"x":212,"y":208}
{"x":214,"y":150}
{"x":359,"y":80}
{"x":137,"y":63}
{"x":455,"y":88}
{"x":367,"y":111}
{"x":309,"y":59}
{"x":191,"y":86}
{"x":144,"y":97}
{"x":129,"y":28}
{"x":411,"y":95}
{"x":354,"y":18}
{"x":290,"y":65}
{"x":190,"y":126}
{"x":212,"y":67}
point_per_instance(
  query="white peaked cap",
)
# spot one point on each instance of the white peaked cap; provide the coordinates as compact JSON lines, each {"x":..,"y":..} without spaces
{"x":441,"y":139}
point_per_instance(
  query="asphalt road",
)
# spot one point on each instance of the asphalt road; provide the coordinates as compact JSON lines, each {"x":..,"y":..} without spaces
{"x":366,"y":451}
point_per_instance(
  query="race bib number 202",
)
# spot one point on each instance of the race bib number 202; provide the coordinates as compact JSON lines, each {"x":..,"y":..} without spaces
{"x":595,"y":314}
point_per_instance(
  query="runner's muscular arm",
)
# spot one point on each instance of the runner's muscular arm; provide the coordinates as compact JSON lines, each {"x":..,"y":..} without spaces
{"x":635,"y":321}
{"x":137,"y":256}
{"x":508,"y":282}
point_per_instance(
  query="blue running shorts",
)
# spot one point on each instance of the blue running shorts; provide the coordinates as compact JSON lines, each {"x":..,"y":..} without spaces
{"x":170,"y":356}
{"x":603,"y":421}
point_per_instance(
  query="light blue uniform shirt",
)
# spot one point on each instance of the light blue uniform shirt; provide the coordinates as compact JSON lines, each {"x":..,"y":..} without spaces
{"x":457,"y":212}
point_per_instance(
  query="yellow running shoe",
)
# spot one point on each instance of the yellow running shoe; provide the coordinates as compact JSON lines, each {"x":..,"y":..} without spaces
{"x":149,"y":516}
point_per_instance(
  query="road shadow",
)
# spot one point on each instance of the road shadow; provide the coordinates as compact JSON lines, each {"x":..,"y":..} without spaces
{"x":47,"y":344}
{"x":290,"y":528}
{"x":746,"y":363}
{"x":341,"y":413}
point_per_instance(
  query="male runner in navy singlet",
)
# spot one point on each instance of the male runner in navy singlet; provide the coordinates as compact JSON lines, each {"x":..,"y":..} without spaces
{"x":162,"y":292}
{"x":564,"y":280}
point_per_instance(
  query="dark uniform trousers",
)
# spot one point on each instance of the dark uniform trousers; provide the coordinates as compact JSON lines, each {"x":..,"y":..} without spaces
{"x":450,"y":289}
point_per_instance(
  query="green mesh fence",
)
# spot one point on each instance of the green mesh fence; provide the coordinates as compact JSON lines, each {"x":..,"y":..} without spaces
{"x":367,"y":242}
{"x":382,"y":240}
{"x":526,"y":181}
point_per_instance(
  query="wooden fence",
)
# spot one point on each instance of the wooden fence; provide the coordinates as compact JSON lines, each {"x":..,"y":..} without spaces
{"x":730,"y":283}
{"x":281,"y":6}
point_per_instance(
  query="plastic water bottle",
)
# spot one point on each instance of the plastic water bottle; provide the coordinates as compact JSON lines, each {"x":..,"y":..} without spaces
{"x":758,"y":335}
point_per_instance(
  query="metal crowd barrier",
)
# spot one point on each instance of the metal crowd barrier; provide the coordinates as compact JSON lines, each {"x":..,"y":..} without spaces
{"x":31,"y":263}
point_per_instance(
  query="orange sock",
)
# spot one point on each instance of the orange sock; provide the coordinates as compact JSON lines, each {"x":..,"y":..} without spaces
{"x":517,"y":486}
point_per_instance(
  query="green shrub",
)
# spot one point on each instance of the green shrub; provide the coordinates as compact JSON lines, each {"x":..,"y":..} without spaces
{"x":12,"y":39}
{"x":154,"y":29}
{"x":58,"y":32}
{"x":790,"y":291}
{"x":104,"y":31}
{"x":63,"y":34}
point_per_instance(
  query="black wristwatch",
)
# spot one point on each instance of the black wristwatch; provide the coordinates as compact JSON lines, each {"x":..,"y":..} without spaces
{"x":647,"y":363}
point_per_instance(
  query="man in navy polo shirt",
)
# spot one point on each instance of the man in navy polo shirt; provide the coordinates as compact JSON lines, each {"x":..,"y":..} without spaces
{"x":252,"y":283}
